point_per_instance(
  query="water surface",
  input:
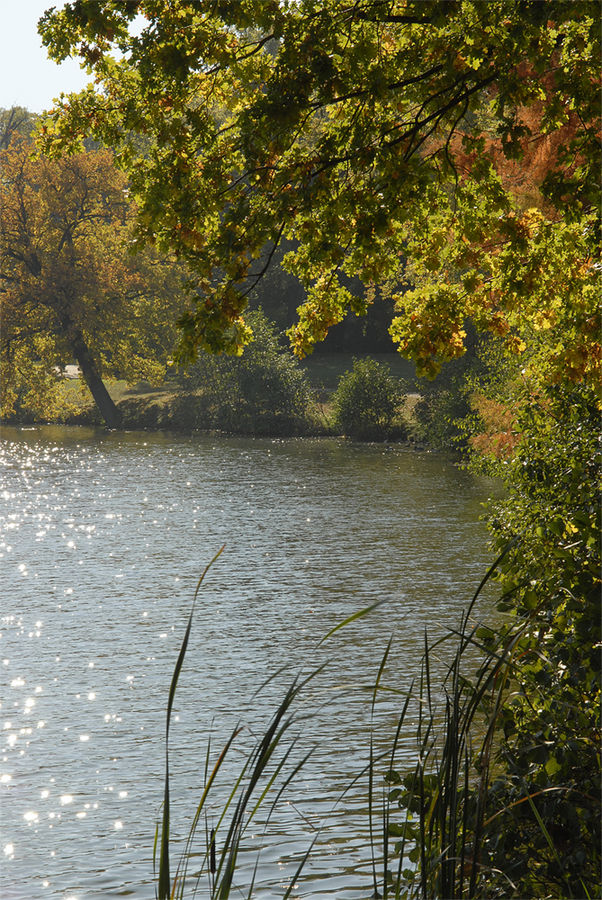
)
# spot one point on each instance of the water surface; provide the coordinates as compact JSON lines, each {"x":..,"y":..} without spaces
{"x":103,"y":537}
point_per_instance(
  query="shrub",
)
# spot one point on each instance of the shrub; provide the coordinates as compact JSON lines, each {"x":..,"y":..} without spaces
{"x":438,"y":416}
{"x":264,"y":391}
{"x":551,"y":728}
{"x":516,"y":787}
{"x":367,"y":402}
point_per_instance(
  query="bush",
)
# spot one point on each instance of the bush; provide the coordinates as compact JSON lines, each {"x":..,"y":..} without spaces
{"x":438,"y":416}
{"x":550,"y":748}
{"x":463,"y":407}
{"x":504,"y":800}
{"x":264,"y":391}
{"x":367,"y":402}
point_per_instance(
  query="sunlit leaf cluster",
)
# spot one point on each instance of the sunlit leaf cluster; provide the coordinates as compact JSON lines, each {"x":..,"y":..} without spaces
{"x":376,"y":136}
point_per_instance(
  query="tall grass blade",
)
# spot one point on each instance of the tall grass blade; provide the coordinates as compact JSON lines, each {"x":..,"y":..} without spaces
{"x":352,"y":618}
{"x":300,"y":867}
{"x":164,"y":886}
{"x":258,"y":762}
{"x":547,"y":836}
{"x":183,"y":865}
{"x":377,"y":681}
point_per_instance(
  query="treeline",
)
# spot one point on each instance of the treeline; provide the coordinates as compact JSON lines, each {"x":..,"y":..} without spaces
{"x":78,"y":287}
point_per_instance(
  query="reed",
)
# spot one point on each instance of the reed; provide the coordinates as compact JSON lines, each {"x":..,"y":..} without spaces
{"x":261,"y":782}
{"x":438,"y":852}
{"x":432,"y":822}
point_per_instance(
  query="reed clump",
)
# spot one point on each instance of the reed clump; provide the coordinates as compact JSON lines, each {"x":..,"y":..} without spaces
{"x":446,"y":827}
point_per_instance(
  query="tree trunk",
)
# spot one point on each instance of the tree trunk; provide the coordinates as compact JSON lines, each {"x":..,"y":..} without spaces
{"x":102,"y":398}
{"x":92,"y":377}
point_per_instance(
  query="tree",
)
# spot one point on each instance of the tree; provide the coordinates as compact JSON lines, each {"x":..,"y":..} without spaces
{"x":16,"y":120}
{"x":450,"y":150}
{"x":70,"y":287}
{"x":374,"y":134}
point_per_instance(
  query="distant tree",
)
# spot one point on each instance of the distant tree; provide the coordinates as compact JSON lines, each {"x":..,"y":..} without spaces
{"x":16,"y":120}
{"x":70,"y":288}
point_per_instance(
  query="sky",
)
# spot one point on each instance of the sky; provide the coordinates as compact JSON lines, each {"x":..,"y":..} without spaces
{"x":27,"y":77}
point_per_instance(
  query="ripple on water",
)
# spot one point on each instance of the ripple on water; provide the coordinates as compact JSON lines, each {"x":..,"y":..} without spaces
{"x":113,"y":531}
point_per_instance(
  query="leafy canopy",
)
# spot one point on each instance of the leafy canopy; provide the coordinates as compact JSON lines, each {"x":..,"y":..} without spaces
{"x":381,"y":137}
{"x":71,"y":290}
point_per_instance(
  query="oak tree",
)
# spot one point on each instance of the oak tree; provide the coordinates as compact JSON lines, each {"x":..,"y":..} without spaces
{"x":376,"y":136}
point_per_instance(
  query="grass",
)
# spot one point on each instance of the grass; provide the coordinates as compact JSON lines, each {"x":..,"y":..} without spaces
{"x":433,"y":820}
{"x":324,"y":369}
{"x":147,"y":406}
{"x":265,"y":772}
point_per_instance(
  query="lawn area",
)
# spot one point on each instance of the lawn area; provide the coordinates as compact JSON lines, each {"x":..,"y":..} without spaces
{"x":325,"y":369}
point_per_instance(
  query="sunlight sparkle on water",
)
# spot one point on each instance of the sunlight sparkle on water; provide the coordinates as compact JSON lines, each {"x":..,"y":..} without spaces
{"x":116,"y":532}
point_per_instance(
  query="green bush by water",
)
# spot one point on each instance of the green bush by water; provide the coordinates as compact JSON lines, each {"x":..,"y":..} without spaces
{"x":367,"y":402}
{"x":264,"y":391}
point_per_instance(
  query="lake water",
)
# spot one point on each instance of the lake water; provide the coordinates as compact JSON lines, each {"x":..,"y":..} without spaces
{"x":103,"y":537}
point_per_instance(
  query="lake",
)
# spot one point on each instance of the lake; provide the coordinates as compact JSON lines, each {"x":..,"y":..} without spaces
{"x":103,"y":538}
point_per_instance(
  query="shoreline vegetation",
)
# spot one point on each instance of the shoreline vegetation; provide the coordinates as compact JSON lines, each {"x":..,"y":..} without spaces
{"x":184,"y":406}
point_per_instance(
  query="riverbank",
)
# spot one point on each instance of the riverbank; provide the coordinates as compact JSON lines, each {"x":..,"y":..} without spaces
{"x":186,"y":413}
{"x":198,"y":408}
